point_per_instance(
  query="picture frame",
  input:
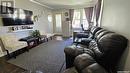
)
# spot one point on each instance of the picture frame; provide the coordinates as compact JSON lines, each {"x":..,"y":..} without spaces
{"x":66,"y":13}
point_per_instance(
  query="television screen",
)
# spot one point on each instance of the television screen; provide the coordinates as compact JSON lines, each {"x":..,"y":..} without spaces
{"x":15,"y":16}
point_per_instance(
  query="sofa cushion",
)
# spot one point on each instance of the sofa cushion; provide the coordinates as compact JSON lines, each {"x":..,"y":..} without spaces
{"x":93,"y":46}
{"x":94,"y":68}
{"x":95,"y":30}
{"x":101,"y":34}
{"x":112,"y":46}
{"x":98,"y":32}
{"x":86,"y":41}
{"x":89,"y":51}
{"x":83,"y":61}
{"x":112,"y":41}
{"x":73,"y":50}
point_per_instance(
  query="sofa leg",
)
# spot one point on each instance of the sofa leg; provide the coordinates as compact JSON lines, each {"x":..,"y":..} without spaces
{"x":47,"y":39}
{"x":27,"y":49}
{"x":51,"y":38}
{"x":8,"y":55}
{"x":14,"y":55}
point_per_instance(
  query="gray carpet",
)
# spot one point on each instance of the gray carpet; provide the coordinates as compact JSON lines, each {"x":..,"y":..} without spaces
{"x":47,"y":57}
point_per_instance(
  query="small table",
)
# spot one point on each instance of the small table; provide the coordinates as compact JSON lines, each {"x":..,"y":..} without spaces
{"x":50,"y":36}
{"x":43,"y":38}
{"x":31,"y":41}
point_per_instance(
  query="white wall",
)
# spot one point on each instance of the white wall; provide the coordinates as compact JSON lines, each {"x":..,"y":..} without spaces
{"x":42,"y":24}
{"x":116,"y":17}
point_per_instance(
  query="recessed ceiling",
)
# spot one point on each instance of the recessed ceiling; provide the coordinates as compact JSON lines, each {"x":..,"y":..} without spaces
{"x":57,"y":4}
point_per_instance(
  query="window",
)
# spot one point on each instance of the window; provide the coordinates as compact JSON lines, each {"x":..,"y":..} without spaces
{"x":79,"y":18}
{"x":76,"y":20}
{"x":22,"y":14}
{"x":58,"y":23}
{"x":50,"y":18}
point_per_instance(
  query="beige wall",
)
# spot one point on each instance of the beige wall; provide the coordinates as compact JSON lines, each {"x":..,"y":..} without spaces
{"x":116,"y":17}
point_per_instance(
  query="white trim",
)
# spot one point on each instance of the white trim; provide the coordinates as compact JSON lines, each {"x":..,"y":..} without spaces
{"x":101,"y":12}
{"x":40,"y":4}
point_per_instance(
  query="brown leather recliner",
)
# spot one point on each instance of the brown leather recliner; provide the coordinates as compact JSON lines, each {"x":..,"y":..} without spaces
{"x":87,"y":37}
{"x":101,"y":56}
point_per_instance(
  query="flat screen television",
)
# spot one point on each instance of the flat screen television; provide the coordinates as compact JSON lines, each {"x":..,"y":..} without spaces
{"x":16,"y":16}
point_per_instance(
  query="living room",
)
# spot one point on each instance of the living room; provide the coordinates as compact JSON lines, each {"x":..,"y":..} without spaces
{"x":46,"y":36}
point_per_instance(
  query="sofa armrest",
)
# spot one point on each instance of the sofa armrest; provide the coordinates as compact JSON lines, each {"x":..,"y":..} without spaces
{"x":86,"y":41}
{"x":70,"y":53}
{"x":94,"y":68}
{"x":73,"y":50}
{"x":82,"y":61}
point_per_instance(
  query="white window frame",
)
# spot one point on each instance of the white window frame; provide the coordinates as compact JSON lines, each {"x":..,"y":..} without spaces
{"x":81,"y":19}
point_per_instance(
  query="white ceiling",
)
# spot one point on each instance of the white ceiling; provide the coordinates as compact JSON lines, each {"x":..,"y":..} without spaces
{"x":58,"y":4}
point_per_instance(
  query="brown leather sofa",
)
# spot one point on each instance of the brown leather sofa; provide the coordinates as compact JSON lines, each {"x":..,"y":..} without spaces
{"x":101,"y":54}
{"x":86,"y":36}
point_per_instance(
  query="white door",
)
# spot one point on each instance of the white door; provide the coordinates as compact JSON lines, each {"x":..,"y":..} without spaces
{"x":58,"y":23}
